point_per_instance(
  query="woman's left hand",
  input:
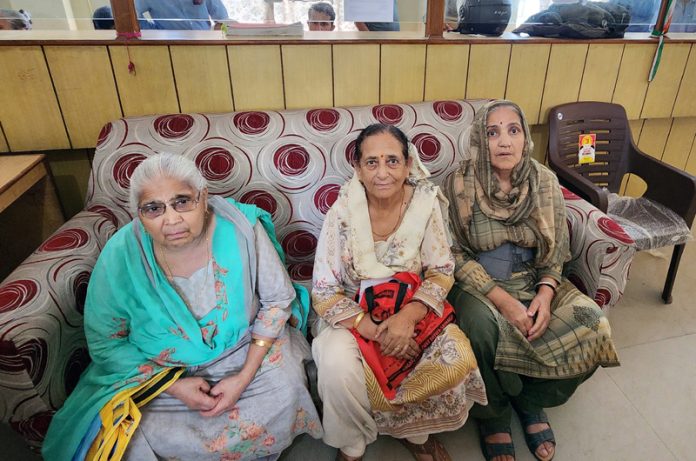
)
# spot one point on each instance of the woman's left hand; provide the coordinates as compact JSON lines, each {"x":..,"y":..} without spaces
{"x":227,"y":393}
{"x":395,"y":334}
{"x":541,"y":308}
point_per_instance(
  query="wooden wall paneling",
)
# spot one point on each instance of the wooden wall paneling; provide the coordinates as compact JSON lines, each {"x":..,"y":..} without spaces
{"x":691,"y":161}
{"x":632,"y":82}
{"x":307,"y":76}
{"x":202,"y":78}
{"x":636,"y":127}
{"x":29,"y":110}
{"x":151,"y":89}
{"x":353,"y":88}
{"x":563,"y":77}
{"x":71,"y":170}
{"x":686,"y":97}
{"x":488,"y":71}
{"x":85,"y":87}
{"x":257,"y":77}
{"x":3,"y":142}
{"x":540,"y":136}
{"x":525,"y":83}
{"x":681,"y":138}
{"x":445,"y":72}
{"x":662,"y":91}
{"x":653,"y":138}
{"x":601,"y":70}
{"x":402,"y":72}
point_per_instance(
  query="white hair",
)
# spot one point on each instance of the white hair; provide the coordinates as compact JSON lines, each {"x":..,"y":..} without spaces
{"x":164,"y":165}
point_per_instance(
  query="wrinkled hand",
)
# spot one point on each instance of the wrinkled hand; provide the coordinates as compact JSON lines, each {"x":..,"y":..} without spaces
{"x":515,"y":313}
{"x":541,"y":308}
{"x":226,"y":394}
{"x":395,"y":336}
{"x":193,"y":392}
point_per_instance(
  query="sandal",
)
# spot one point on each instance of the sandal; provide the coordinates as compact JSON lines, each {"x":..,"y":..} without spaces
{"x":491,"y":450}
{"x":536,"y":439}
{"x":432,"y":447}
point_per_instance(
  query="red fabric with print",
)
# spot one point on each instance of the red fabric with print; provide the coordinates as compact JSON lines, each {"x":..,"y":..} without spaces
{"x":382,"y":301}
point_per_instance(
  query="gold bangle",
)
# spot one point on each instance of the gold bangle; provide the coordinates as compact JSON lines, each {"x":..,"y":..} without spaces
{"x":261,"y":342}
{"x":358,"y":319}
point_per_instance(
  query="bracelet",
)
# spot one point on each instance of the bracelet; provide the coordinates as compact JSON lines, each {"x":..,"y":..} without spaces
{"x":548,"y":284}
{"x":358,"y":319}
{"x":261,"y":342}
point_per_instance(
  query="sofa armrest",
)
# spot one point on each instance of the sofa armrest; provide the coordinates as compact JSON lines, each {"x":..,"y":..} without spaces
{"x":42,"y":341}
{"x":601,"y":252}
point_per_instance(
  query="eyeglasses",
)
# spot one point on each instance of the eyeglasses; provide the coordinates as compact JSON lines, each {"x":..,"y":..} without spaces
{"x":181,"y":204}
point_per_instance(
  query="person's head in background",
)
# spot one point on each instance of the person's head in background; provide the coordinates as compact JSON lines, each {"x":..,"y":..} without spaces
{"x":321,"y":17}
{"x":103,"y":19}
{"x":14,"y":20}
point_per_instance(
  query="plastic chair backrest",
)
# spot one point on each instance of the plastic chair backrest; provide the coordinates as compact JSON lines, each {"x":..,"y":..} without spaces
{"x":613,"y":138}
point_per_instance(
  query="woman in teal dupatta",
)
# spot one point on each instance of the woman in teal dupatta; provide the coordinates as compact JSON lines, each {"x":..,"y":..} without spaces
{"x":195,"y":286}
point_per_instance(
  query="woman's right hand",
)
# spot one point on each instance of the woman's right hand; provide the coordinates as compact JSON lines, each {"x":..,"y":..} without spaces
{"x":513,"y":310}
{"x":193,"y":392}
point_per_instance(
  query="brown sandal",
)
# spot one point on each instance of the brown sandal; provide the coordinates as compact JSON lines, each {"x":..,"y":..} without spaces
{"x":432,"y":447}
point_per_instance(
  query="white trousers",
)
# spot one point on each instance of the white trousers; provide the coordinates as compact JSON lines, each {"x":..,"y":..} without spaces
{"x":348,"y":423}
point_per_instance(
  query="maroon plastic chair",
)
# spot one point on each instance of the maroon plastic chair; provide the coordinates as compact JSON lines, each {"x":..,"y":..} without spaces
{"x":661,"y":217}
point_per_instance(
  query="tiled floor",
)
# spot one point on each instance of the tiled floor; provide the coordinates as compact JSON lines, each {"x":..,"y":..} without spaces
{"x":643,"y":410}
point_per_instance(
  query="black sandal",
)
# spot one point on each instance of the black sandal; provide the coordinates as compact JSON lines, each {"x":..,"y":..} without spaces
{"x":489,"y":449}
{"x":536,"y":439}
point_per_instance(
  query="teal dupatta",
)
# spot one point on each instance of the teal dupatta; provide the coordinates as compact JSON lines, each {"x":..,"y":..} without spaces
{"x":136,"y":324}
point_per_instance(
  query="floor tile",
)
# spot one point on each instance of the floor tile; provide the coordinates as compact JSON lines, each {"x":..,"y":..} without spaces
{"x":660,"y":381}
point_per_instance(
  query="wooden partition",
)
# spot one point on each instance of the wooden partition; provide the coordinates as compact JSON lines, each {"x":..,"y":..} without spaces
{"x":57,"y":96}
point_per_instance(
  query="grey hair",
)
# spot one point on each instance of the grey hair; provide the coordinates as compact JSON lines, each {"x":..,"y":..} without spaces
{"x":164,"y":165}
{"x":19,"y":20}
{"x":323,"y":8}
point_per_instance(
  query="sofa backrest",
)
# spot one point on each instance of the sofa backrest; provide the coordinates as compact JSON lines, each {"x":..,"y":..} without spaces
{"x":291,"y":163}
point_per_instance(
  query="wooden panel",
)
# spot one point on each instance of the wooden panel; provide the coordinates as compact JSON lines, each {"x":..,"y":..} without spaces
{"x":150,"y":90}
{"x":353,"y":88}
{"x":653,"y":138}
{"x":662,"y":91}
{"x":402,"y":73}
{"x":29,"y":110}
{"x":489,"y":71}
{"x":681,"y":138}
{"x":85,"y":86}
{"x":257,"y":77}
{"x":525,"y":84}
{"x":3,"y":142}
{"x":685,"y":106}
{"x":307,"y":76}
{"x":71,"y":172}
{"x":632,"y":82}
{"x":445,"y":72}
{"x":540,"y":136}
{"x":563,"y":77}
{"x":202,"y":78}
{"x":601,"y":70}
{"x":691,"y":162}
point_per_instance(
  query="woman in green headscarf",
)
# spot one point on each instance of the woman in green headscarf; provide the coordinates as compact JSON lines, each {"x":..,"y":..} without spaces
{"x":535,"y":336}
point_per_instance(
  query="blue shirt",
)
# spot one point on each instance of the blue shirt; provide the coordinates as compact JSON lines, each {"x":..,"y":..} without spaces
{"x":179,"y":14}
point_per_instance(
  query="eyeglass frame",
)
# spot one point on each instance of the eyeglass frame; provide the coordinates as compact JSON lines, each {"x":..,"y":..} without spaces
{"x":141,"y":212}
{"x":363,"y":163}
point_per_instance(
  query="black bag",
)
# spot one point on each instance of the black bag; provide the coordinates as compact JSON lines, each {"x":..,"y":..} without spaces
{"x":486,"y":17}
{"x":578,"y":20}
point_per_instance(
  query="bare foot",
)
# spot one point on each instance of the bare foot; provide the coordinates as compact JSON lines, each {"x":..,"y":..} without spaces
{"x":500,"y":437}
{"x":546,"y":450}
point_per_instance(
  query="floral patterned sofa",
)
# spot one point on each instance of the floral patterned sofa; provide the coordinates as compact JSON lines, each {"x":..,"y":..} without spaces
{"x":290,"y":163}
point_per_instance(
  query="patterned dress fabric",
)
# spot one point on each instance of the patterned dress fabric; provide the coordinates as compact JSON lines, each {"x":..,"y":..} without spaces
{"x":290,"y":163}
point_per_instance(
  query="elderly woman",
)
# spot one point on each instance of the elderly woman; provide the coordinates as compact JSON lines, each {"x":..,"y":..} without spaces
{"x":535,"y":336}
{"x":388,"y":221}
{"x":187,"y":323}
